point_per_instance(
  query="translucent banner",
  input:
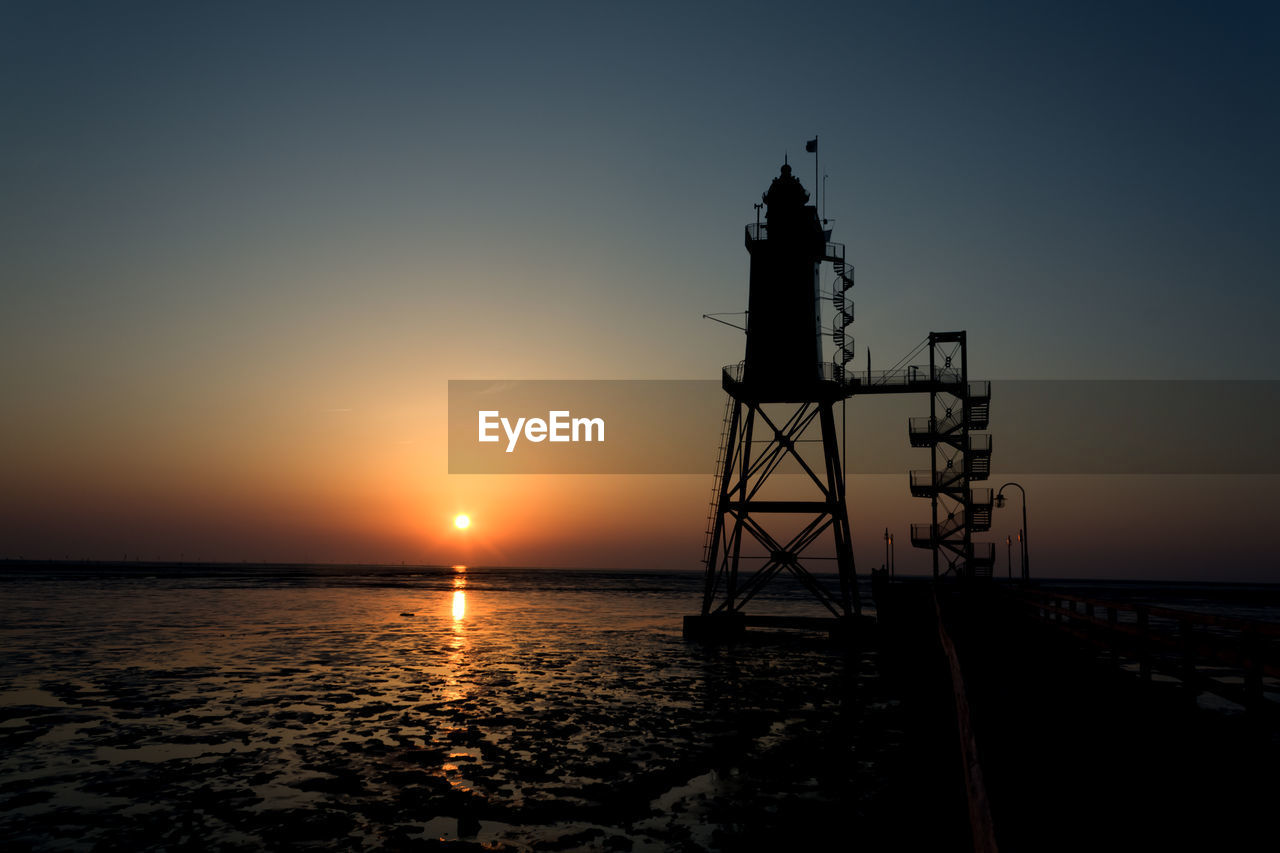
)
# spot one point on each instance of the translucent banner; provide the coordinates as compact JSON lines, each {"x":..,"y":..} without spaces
{"x":637,"y":426}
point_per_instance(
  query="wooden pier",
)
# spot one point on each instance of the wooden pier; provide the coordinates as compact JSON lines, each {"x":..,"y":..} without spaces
{"x":1230,"y":658}
{"x":1077,"y":722}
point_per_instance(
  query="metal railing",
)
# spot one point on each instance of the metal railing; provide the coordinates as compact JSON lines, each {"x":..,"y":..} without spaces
{"x":928,"y":425}
{"x":829,"y":372}
{"x":927,"y":478}
{"x":984,"y":553}
{"x":912,"y":375}
{"x":922,"y":534}
{"x":823,"y":371}
{"x":1235,"y":659}
{"x":922,"y":479}
{"x":979,"y":442}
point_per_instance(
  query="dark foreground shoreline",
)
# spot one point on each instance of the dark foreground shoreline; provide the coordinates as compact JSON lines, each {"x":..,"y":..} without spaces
{"x":456,"y":710}
{"x":258,"y":706}
{"x":1075,"y":749}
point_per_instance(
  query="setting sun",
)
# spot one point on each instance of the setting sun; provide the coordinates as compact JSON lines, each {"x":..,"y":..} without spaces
{"x":462,"y":522}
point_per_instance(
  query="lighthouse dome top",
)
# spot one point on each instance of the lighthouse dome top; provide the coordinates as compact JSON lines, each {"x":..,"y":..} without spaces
{"x":785,"y":194}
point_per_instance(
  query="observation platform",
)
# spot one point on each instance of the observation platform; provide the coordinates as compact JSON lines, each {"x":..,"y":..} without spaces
{"x":831,"y":380}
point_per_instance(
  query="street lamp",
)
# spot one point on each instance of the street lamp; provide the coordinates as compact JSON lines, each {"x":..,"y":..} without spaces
{"x":1026,"y":573}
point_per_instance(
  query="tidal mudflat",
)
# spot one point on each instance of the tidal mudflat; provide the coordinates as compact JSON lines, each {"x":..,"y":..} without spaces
{"x":441,"y":709}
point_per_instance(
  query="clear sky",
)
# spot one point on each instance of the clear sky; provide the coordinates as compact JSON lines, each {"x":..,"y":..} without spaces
{"x":244,"y":246}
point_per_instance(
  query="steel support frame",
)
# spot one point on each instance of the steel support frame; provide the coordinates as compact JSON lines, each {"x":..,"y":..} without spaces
{"x":746,"y":470}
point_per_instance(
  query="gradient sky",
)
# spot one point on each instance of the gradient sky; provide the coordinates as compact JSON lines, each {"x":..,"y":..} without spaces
{"x":243,"y":247}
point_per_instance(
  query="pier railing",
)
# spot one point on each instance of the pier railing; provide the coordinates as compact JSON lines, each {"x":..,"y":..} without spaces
{"x":822,"y":371}
{"x":1234,"y":659}
{"x":916,"y":378}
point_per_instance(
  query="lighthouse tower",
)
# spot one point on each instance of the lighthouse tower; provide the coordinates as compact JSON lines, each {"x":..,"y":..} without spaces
{"x":784,"y":330}
{"x":780,"y":419}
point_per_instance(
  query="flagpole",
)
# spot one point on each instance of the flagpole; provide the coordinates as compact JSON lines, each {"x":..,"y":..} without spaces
{"x":815,"y":169}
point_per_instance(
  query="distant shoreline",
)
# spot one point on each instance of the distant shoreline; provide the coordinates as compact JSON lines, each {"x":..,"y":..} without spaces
{"x":308,"y":566}
{"x":220,"y":567}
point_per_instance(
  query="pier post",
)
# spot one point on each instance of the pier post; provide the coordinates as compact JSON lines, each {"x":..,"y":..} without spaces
{"x":1113,"y":638}
{"x":1252,"y":660}
{"x":1188,"y":637}
{"x":1144,"y":644}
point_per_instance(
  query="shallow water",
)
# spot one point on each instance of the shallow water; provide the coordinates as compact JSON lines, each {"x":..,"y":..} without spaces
{"x":387,"y":709}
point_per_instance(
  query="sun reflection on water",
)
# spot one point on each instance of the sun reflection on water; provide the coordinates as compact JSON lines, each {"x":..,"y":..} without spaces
{"x":457,"y":645}
{"x":459,"y":596}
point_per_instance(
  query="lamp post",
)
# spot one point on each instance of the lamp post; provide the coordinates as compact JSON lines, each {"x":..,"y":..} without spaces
{"x":1022,"y":534}
{"x":888,"y":560}
{"x":891,"y":556}
{"x":1008,"y":541}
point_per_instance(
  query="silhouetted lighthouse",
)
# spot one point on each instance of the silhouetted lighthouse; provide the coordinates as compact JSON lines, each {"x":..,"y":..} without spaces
{"x":784,"y":325}
{"x":778,"y":414}
{"x":779,"y":418}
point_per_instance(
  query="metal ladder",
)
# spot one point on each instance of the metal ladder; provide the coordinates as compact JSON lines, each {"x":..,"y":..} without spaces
{"x":713,"y":509}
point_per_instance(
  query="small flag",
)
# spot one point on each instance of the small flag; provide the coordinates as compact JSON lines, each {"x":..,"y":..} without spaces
{"x":812,"y":146}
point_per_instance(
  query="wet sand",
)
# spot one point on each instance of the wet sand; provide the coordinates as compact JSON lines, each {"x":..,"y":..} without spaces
{"x":458,"y":712}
